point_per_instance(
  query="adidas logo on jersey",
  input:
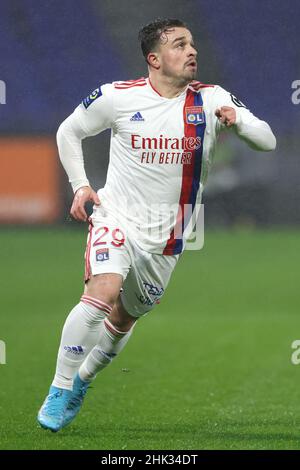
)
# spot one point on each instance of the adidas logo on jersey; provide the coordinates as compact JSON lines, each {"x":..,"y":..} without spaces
{"x":137,"y":117}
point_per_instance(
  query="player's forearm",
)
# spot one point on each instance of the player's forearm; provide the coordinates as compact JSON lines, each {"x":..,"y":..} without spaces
{"x":69,"y":137}
{"x":257,"y":134}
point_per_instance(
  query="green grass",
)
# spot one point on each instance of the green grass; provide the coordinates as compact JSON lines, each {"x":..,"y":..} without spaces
{"x":209,"y":368}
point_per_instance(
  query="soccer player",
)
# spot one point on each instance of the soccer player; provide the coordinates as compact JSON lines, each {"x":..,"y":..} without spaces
{"x":163,"y":133}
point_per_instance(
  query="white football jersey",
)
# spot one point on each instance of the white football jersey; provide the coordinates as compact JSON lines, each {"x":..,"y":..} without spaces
{"x":160,"y":153}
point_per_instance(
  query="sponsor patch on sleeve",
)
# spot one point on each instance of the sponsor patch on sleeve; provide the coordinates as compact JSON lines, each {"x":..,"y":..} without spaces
{"x":91,"y":98}
{"x":236,"y":101}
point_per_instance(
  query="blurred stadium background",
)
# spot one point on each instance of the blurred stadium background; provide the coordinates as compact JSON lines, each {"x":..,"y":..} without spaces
{"x":55,"y":53}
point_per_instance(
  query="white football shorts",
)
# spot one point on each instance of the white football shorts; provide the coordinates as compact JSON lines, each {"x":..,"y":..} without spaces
{"x":112,"y":249}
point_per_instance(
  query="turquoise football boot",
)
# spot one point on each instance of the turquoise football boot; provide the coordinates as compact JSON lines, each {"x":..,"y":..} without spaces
{"x":51,"y":414}
{"x":79,"y":391}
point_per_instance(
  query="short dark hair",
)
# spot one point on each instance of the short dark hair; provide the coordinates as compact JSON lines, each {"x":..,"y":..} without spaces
{"x":150,"y":35}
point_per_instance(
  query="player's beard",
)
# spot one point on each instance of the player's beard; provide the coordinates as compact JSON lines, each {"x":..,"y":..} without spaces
{"x":181,"y":78}
{"x":188,"y":76}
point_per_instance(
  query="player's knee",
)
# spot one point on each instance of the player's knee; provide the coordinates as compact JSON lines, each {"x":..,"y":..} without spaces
{"x":120,"y":318}
{"x":105,"y":287}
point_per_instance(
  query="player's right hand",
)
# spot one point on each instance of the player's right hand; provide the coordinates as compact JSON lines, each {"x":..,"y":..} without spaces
{"x":83,"y":195}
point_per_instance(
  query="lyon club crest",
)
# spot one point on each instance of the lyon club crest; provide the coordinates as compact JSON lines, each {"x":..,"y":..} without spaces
{"x":195,"y":115}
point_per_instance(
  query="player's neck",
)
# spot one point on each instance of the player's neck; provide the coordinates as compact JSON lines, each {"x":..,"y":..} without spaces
{"x":166,"y":87}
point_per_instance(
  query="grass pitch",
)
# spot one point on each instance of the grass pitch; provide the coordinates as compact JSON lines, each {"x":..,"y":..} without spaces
{"x":209,"y":368}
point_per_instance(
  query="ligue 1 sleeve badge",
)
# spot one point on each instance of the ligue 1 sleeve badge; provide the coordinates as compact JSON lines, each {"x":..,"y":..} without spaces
{"x":195,"y":115}
{"x":91,"y":98}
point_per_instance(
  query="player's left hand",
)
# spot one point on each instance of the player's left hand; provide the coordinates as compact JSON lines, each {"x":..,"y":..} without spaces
{"x":226,"y":115}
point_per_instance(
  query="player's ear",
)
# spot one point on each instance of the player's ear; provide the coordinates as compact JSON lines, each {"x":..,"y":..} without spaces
{"x":153,"y":60}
